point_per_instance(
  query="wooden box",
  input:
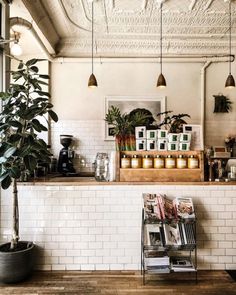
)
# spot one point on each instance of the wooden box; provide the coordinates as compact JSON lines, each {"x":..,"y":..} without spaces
{"x":164,"y":174}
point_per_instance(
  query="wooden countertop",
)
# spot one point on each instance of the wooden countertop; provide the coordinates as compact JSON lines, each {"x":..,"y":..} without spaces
{"x":84,"y":181}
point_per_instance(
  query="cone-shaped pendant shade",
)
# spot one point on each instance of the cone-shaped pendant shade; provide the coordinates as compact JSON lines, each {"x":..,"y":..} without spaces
{"x":161,"y":82}
{"x":230,"y":83}
{"x":92,"y":83}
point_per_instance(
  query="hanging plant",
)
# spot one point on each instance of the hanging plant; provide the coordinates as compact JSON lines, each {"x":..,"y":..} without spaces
{"x":222,"y":104}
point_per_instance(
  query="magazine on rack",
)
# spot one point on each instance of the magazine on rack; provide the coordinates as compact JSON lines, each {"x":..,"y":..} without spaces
{"x":179,"y":264}
{"x":151,"y":207}
{"x":184,"y":207}
{"x":169,"y":209}
{"x":153,"y":235}
{"x":172,"y":234}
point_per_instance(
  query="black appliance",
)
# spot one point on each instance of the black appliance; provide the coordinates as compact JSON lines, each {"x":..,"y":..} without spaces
{"x":65,"y":165}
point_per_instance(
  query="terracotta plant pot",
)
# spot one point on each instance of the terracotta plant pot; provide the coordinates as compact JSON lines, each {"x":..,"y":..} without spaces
{"x":16,"y":266}
{"x":125,"y":142}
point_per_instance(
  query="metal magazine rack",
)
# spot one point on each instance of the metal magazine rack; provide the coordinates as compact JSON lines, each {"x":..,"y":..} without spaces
{"x":161,"y":258}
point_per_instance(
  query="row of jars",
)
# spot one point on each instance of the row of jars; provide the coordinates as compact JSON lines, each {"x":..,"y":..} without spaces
{"x":159,"y":162}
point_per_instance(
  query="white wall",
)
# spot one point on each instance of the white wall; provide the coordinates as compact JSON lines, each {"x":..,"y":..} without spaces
{"x":73,"y":100}
{"x":98,"y":227}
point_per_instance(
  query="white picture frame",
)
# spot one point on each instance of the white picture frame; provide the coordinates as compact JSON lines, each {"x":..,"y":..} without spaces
{"x":128,"y":103}
{"x":196,"y":136}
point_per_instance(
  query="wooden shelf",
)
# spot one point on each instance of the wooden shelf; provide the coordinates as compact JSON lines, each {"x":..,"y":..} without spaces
{"x":161,"y":175}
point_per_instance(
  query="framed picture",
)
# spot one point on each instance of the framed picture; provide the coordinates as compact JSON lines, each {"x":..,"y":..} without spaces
{"x":126,"y":104}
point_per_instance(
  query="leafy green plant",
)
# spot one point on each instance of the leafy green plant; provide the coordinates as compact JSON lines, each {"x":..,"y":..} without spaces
{"x":20,"y":147}
{"x":124,"y":124}
{"x":173,"y":123}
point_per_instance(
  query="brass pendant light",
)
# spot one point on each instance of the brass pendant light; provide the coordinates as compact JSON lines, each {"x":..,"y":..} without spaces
{"x":161,"y":81}
{"x":92,"y":83}
{"x":230,"y":83}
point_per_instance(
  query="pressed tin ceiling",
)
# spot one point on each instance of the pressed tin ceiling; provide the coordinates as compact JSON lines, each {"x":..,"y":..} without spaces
{"x":132,"y":27}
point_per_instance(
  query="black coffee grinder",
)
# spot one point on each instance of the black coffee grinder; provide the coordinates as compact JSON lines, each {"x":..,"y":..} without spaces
{"x":65,"y":165}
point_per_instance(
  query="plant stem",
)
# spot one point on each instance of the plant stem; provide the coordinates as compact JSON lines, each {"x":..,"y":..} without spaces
{"x":15,"y":229}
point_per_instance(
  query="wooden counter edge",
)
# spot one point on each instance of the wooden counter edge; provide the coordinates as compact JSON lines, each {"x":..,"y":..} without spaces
{"x":77,"y":181}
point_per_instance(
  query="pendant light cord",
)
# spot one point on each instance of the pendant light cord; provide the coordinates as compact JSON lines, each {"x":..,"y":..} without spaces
{"x":230,"y":37}
{"x":92,"y":37}
{"x":161,"y":39}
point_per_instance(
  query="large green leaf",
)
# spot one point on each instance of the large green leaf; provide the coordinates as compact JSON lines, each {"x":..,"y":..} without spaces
{"x":53,"y":115}
{"x":44,"y":76}
{"x":20,"y":66}
{"x":8,"y":153}
{"x":31,"y":62}
{"x":36,"y":125}
{"x":34,"y":69}
{"x":30,"y":162}
{"x":14,"y":172}
{"x":6,"y":182}
{"x":16,"y":124}
{"x":3,"y":175}
{"x":3,"y":160}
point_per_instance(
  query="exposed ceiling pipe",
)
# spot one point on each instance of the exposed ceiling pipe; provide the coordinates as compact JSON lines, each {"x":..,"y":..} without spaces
{"x":167,"y":59}
{"x":203,"y":97}
{"x":18,"y":21}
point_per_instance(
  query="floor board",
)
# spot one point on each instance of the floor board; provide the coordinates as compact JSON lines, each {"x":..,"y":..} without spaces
{"x":122,"y":283}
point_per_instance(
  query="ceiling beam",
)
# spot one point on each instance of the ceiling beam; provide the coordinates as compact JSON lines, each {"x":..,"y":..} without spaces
{"x":42,"y":19}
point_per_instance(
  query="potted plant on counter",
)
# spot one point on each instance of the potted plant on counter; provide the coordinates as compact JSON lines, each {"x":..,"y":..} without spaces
{"x":124,"y":126}
{"x":20,"y":150}
{"x":172,"y":123}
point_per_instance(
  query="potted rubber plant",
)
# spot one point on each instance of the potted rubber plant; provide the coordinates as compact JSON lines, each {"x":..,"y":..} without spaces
{"x":23,"y":104}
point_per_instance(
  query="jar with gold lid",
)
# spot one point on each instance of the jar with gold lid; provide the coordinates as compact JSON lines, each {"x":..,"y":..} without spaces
{"x":181,"y":162}
{"x":170,"y":162}
{"x":147,"y":162}
{"x":136,"y":162}
{"x":193,"y":162}
{"x":125,"y":162}
{"x":159,"y":162}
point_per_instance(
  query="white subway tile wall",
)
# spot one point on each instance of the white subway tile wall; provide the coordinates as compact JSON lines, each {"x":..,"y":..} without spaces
{"x":88,"y":140}
{"x":98,"y":227}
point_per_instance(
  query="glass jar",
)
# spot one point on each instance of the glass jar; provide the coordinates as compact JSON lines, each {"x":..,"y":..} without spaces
{"x":136,"y":162}
{"x":170,"y":162}
{"x":147,"y":162}
{"x":101,"y":166}
{"x":125,"y":162}
{"x":159,"y":162}
{"x":181,"y":162}
{"x":193,"y":162}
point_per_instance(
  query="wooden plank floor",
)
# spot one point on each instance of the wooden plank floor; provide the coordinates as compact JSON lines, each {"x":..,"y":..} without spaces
{"x":122,"y":283}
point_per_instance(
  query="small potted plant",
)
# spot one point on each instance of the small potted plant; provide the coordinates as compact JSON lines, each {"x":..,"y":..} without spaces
{"x":20,"y":150}
{"x":173,"y":123}
{"x":124,"y":126}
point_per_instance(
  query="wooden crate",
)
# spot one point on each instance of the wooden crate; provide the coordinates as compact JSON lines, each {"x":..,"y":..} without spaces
{"x":161,"y":175}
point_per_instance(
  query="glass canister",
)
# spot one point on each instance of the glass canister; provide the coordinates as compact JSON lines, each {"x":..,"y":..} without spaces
{"x":159,"y":162}
{"x":147,"y":162}
{"x":170,"y":162}
{"x":181,"y":162}
{"x":136,"y":162}
{"x":193,"y":162}
{"x":125,"y":162}
{"x":101,"y":166}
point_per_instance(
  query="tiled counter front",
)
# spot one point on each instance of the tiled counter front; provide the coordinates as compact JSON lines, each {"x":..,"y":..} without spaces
{"x":98,"y":227}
